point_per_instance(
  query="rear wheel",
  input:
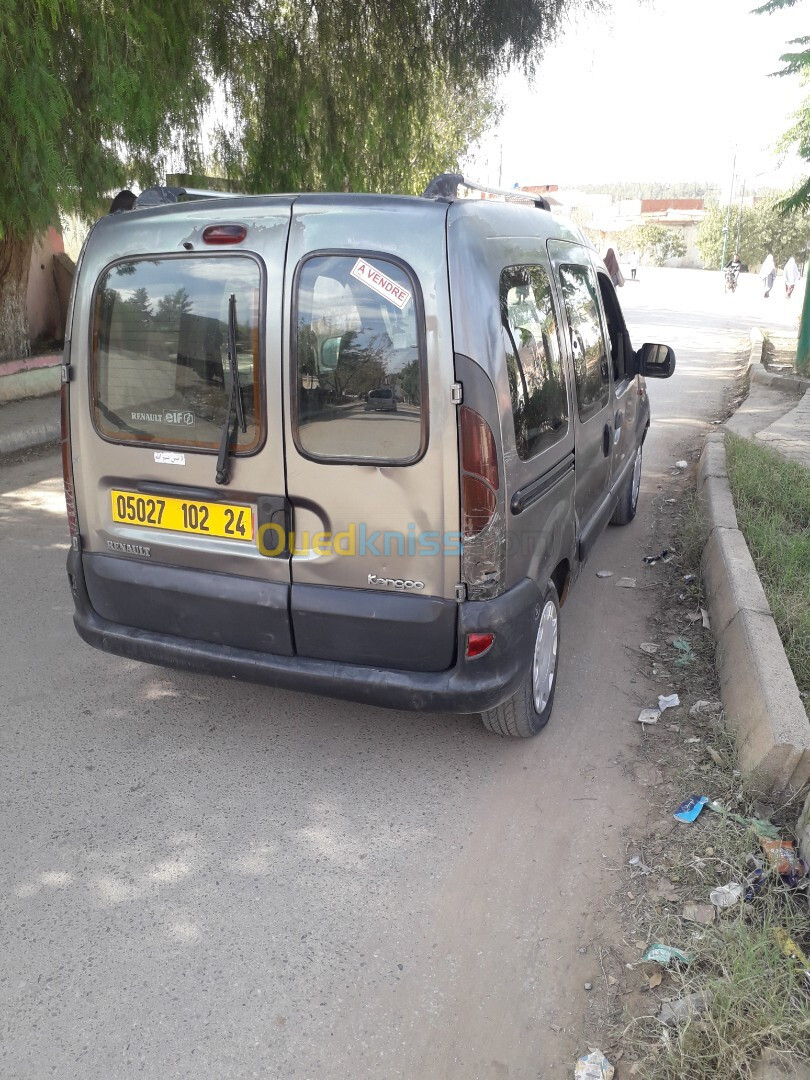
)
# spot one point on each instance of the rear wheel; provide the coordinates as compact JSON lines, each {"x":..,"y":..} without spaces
{"x":527,"y":711}
{"x":628,"y":500}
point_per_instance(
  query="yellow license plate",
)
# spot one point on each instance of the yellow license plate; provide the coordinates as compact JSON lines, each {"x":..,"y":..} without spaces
{"x":183,"y":515}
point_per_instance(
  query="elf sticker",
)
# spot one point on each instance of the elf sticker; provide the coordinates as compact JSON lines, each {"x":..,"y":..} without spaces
{"x":384,"y":286}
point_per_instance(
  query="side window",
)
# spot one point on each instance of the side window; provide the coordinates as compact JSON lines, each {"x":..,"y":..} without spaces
{"x":617,"y":332}
{"x":358,"y":361}
{"x":533,"y":361}
{"x":587,"y":341}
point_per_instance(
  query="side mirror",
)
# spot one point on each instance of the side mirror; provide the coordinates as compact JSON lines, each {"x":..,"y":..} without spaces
{"x":655,"y":361}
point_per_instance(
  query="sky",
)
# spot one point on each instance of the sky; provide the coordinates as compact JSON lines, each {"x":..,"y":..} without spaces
{"x":652,"y":90}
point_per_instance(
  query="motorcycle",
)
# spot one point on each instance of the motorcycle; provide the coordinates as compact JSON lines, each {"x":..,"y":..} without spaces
{"x":732,"y":276}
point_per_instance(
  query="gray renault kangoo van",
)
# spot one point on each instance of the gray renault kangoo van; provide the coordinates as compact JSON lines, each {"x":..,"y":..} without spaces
{"x":357,"y":445}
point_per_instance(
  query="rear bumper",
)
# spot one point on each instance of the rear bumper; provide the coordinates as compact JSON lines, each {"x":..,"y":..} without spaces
{"x":469,"y":686}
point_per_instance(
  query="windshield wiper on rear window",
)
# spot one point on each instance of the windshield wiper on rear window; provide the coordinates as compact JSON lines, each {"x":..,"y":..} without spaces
{"x":223,"y":471}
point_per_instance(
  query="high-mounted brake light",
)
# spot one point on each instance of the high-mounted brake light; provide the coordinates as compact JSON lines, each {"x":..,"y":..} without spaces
{"x":224,"y":234}
{"x":479,"y":464}
{"x":478,"y":644}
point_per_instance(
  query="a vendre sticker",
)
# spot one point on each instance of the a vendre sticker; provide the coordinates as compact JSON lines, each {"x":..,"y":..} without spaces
{"x":381,"y":284}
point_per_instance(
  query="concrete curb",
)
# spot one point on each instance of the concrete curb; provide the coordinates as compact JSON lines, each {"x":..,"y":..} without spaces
{"x":760,"y":374}
{"x":759,"y":692}
{"x":33,"y":376}
{"x":11,"y":442}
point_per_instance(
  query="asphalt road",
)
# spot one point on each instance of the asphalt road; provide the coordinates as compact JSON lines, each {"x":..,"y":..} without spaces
{"x":202,"y":878}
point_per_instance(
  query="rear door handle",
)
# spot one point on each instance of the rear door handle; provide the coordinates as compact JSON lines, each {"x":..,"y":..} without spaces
{"x":606,"y":440}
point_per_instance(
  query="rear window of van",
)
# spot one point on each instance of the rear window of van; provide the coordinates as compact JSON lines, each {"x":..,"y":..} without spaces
{"x":358,"y":361}
{"x":160,"y":369}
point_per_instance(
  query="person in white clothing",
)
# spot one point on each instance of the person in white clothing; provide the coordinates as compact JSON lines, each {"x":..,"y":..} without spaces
{"x":767,"y":274}
{"x":792,"y":275}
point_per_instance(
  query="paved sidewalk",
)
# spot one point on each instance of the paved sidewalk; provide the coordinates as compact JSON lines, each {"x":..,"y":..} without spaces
{"x":790,"y":434}
{"x":27,"y":424}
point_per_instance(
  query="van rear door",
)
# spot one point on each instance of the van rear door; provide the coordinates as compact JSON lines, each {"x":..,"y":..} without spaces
{"x":371,"y":445}
{"x":164,"y":546}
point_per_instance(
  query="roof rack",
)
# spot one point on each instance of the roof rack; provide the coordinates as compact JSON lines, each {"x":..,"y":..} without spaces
{"x":160,"y":195}
{"x":446,"y":185}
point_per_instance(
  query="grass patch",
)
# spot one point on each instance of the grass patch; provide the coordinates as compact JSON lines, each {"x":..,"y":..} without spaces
{"x":758,"y":997}
{"x":772,"y":499}
{"x":755,"y":996}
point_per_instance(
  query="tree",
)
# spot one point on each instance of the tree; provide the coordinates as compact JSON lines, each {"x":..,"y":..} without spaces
{"x":656,"y":242}
{"x":91,"y":96}
{"x":342,"y":95}
{"x":798,"y":63}
{"x":764,"y":228}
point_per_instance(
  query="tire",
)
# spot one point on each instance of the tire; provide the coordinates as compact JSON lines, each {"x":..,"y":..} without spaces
{"x":519,"y":715}
{"x":628,"y":500}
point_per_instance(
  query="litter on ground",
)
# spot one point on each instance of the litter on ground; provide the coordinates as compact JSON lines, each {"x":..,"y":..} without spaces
{"x":637,"y":864}
{"x":689,"y":810}
{"x":726,"y":896}
{"x":593,"y":1066}
{"x":649,"y":647}
{"x":682,"y":1008}
{"x":668,"y":701}
{"x":706,"y":708}
{"x":626,"y":583}
{"x":681,"y":464}
{"x":648,"y":716}
{"x":604,"y":573}
{"x":704,"y":914}
{"x":665,"y":954}
{"x":662,"y":556}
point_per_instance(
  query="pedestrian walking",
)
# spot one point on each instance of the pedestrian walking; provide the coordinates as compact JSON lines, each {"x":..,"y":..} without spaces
{"x":613,"y":268}
{"x":767,"y":274}
{"x":791,"y":273}
{"x":633,"y":264}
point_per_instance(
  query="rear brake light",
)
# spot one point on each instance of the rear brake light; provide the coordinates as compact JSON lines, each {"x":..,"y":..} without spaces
{"x":224,"y":234}
{"x":478,"y":505}
{"x":67,"y":464}
{"x":478,"y":454}
{"x":478,"y":644}
{"x":480,"y":480}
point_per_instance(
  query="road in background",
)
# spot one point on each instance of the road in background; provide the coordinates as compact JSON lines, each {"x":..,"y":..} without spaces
{"x":204,"y":878}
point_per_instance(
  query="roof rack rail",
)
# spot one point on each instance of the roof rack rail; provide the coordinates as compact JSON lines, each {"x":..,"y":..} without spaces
{"x":446,"y":185}
{"x":160,"y":195}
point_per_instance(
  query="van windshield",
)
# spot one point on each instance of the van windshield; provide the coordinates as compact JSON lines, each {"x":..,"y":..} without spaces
{"x":160,"y":350}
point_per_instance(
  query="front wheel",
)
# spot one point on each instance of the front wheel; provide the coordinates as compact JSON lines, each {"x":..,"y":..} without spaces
{"x":628,"y":500}
{"x":527,"y":711}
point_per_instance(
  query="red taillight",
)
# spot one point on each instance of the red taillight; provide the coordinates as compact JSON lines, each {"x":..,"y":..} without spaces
{"x":478,"y":505}
{"x":67,"y":464}
{"x":478,"y":644}
{"x":479,"y":465}
{"x":224,"y":234}
{"x":478,"y":454}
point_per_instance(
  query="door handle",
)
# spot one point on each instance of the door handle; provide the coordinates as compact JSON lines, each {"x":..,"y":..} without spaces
{"x":606,"y":440}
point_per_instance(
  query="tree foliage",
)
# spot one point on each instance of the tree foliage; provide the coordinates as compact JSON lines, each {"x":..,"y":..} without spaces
{"x":796,"y":62}
{"x":307,"y":94}
{"x":652,"y":189}
{"x":656,"y":243}
{"x":764,"y":228}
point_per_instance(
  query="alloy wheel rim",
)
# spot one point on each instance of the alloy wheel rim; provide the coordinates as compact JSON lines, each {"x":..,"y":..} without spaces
{"x":545,"y":657}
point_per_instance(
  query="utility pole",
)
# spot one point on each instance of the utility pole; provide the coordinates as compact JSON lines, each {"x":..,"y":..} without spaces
{"x":803,"y":344}
{"x":728,"y":208}
{"x":500,"y":169}
{"x":739,"y":218}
